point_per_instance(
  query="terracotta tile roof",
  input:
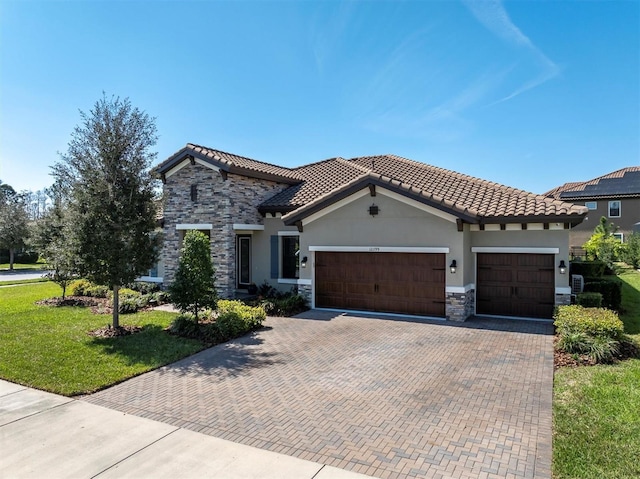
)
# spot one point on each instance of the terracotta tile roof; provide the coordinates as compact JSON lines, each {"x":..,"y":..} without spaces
{"x":318,"y":178}
{"x":462,"y":195}
{"x":231,"y":163}
{"x":470,"y":198}
{"x":624,"y":182}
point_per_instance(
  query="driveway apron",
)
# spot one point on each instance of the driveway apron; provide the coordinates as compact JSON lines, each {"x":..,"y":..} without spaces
{"x":387,"y":397}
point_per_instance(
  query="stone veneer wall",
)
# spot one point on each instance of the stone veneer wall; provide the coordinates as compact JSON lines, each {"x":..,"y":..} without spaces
{"x":219,"y":202}
{"x":459,"y":306}
{"x":304,"y":290}
{"x":563,"y":299}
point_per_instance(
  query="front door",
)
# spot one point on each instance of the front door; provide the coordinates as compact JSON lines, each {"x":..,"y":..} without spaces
{"x":243,"y":267}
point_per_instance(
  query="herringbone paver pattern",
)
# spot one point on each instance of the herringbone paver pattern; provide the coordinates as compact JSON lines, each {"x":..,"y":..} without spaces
{"x":384,"y":397}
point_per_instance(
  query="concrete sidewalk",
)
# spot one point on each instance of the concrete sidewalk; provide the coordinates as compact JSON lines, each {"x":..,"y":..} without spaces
{"x":45,"y":435}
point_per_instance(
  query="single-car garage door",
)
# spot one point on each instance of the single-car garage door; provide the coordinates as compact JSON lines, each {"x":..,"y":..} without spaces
{"x":510,"y":284}
{"x":406,"y":283}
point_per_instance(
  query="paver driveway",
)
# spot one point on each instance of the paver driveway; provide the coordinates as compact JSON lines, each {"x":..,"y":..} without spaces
{"x":384,"y":397}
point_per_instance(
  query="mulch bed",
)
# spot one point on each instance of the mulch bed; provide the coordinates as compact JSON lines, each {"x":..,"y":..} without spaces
{"x":111,"y":332}
{"x":563,"y":359}
{"x":98,"y":306}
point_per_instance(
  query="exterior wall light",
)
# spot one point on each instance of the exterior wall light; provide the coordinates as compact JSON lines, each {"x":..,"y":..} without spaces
{"x":374,"y":210}
{"x":562,"y":267}
{"x":303,"y":263}
{"x":453,"y":266}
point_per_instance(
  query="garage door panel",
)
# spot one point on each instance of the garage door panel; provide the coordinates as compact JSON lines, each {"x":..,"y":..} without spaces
{"x":534,"y":277}
{"x":330,"y":287}
{"x":359,"y":288}
{"x":496,"y":292}
{"x":497,"y":275}
{"x":522,"y":285}
{"x":408,"y":283}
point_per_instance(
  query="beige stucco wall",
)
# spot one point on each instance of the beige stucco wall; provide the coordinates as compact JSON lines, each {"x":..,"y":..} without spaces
{"x":261,"y":252}
{"x":527,"y":239}
{"x":397,"y":224}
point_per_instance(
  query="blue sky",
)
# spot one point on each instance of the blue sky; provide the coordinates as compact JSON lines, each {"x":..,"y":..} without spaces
{"x":526,"y":93}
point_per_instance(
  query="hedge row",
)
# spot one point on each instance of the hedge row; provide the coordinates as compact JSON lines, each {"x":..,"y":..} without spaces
{"x":592,"y":269}
{"x":130,"y":300}
{"x":233,"y":319}
{"x":610,"y":289}
{"x":596,"y":332}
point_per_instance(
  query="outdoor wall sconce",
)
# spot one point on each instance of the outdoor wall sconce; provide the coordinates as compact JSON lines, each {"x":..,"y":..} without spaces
{"x":373,"y":210}
{"x":303,"y":263}
{"x":453,"y":266}
{"x":563,"y":267}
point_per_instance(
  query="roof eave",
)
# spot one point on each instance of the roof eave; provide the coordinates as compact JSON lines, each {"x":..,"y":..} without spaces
{"x":260,"y":175}
{"x":572,"y":219}
{"x":187,"y":152}
{"x":597,"y":197}
{"x":283,"y":210}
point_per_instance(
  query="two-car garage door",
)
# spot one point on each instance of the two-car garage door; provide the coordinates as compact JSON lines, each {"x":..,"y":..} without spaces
{"x":406,"y":283}
{"x":507,"y":284}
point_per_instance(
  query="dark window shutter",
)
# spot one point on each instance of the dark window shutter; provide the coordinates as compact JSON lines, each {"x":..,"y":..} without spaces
{"x":275,"y":267}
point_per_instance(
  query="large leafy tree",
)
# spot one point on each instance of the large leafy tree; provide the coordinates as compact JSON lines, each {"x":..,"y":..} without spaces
{"x":105,"y":175}
{"x":193,"y":288}
{"x":602,"y":245}
{"x":14,"y":221}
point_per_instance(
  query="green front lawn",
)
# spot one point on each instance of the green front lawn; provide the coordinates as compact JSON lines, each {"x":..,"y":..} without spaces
{"x":597,"y":409}
{"x":49,"y":348}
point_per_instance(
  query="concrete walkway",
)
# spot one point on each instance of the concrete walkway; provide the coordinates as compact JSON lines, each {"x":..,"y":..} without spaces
{"x":45,"y":435}
{"x":387,"y":397}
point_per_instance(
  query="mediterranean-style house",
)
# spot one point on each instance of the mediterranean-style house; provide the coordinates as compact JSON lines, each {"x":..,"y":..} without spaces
{"x":616,"y":196}
{"x":377,"y":233}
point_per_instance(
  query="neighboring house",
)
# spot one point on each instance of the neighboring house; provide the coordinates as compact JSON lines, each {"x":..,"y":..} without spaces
{"x":616,"y":196}
{"x":379,"y":233}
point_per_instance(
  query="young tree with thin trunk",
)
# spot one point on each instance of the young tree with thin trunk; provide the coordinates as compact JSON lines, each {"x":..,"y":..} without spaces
{"x":193,"y":288}
{"x":49,"y":239}
{"x":109,"y":189}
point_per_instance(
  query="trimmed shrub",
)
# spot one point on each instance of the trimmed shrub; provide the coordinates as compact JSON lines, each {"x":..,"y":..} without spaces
{"x":231,"y":325}
{"x":128,"y":306}
{"x":287,"y":305}
{"x":611,"y":290}
{"x":185,"y":325}
{"x":589,"y":300}
{"x":594,"y":269}
{"x":80,"y":287}
{"x":596,"y":332}
{"x":253,"y":316}
{"x":159,"y":297}
{"x":144,"y":287}
{"x":97,"y":291}
{"x":591,"y":321}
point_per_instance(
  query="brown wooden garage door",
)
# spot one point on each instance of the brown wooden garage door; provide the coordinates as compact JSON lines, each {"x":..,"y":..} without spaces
{"x":515,"y":285}
{"x":406,"y":283}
